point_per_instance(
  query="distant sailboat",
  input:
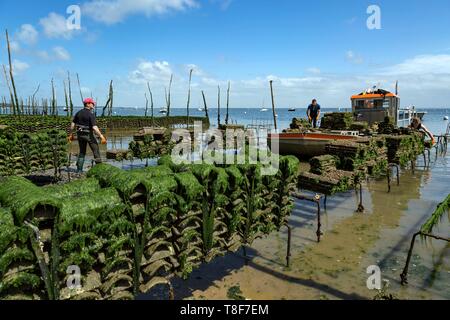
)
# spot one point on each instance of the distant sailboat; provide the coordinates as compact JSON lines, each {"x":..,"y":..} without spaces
{"x":263,"y":109}
{"x":163,"y":111}
{"x":291,"y":109}
{"x":201,"y":109}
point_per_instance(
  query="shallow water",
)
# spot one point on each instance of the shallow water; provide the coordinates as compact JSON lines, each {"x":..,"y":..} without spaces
{"x":336,"y":267}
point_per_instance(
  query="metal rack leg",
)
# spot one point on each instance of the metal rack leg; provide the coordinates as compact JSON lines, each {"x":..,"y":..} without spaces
{"x":361,"y":208}
{"x":288,"y":253}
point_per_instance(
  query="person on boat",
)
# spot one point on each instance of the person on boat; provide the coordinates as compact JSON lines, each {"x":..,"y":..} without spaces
{"x":417,"y":124}
{"x":313,"y":113}
{"x":86,"y":125}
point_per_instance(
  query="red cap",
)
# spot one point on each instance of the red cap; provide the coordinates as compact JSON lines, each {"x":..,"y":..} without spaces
{"x":89,"y":100}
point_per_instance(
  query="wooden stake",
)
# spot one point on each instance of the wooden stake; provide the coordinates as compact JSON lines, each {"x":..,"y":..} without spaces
{"x":53,"y":99}
{"x":228,"y":102}
{"x":206,"y":106}
{"x":218,"y":107}
{"x":189,"y":99}
{"x":35,"y":92}
{"x":146,"y":105}
{"x":11,"y":73}
{"x":151,"y":102}
{"x":273,"y":106}
{"x":168,"y":96}
{"x":108,"y":104}
{"x":70,"y":95}
{"x":66,"y":98}
{"x":79,"y":88}
{"x":111,"y":96}
{"x":3,"y":104}
{"x":10,"y":90}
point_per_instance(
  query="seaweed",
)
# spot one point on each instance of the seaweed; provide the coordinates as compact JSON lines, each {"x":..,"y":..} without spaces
{"x":435,"y":218}
{"x":189,"y":214}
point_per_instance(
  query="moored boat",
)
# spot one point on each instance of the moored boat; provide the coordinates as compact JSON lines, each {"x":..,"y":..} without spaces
{"x":308,"y":144}
{"x":373,"y":105}
{"x":421,"y":114}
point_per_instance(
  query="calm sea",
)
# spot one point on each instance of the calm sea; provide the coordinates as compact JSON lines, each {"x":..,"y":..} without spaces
{"x":434,"y":119}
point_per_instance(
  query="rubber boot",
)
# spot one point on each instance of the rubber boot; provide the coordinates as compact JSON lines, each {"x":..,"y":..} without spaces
{"x":80,"y":164}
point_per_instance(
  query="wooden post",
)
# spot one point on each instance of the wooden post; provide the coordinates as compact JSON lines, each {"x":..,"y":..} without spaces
{"x":21,"y":106}
{"x":168,"y":96}
{"x":206,"y":106}
{"x":228,"y":102}
{"x":151,"y":102}
{"x":189,"y":99}
{"x":108,"y":104}
{"x":111,"y":98}
{"x":33,"y":98}
{"x":2,"y":107}
{"x":53,"y":99}
{"x":11,"y":74}
{"x":273,"y":106}
{"x":28,"y":106}
{"x":79,"y":88}
{"x":218,"y":106}
{"x":10,"y":91}
{"x":70,"y":95}
{"x":66,"y":98}
{"x":146,"y":105}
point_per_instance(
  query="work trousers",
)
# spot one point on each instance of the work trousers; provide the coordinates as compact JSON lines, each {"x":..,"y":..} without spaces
{"x":85,"y":139}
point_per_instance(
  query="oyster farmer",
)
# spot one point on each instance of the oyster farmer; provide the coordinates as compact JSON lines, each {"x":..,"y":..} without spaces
{"x":417,"y":124}
{"x":86,"y":125}
{"x":313,"y":113}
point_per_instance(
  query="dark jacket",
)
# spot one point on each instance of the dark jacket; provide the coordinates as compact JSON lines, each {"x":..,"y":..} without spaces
{"x":84,"y":120}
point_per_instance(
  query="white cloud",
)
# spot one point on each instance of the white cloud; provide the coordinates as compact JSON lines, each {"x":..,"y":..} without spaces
{"x":354,"y":57}
{"x":61,"y":53}
{"x":313,"y":70}
{"x":43,"y":55}
{"x":416,"y":75}
{"x":197,"y":71}
{"x":55,"y":26}
{"x":151,"y":71}
{"x":114,"y":11}
{"x":15,"y":46}
{"x":423,"y":64}
{"x":57,"y":53}
{"x":210,"y":81}
{"x":27,"y":34}
{"x":19,"y":66}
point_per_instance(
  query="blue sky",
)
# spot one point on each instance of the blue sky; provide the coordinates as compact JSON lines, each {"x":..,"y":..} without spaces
{"x":320,"y":49}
